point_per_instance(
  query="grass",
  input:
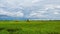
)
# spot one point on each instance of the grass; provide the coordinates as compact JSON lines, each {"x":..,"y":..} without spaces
{"x":32,"y":27}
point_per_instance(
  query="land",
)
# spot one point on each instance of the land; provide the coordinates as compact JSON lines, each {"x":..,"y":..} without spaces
{"x":30,"y":27}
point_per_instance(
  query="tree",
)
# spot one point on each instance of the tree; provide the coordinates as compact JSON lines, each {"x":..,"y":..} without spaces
{"x":28,"y":20}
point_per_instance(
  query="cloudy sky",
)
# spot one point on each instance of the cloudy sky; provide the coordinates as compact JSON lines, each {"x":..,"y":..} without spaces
{"x":33,"y":9}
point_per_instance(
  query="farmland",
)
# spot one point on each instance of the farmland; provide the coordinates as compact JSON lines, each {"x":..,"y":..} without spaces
{"x":32,"y":27}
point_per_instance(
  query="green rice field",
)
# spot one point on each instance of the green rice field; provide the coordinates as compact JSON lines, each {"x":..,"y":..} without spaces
{"x":31,"y":27}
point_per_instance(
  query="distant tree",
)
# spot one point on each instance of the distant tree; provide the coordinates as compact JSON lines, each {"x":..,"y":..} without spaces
{"x":28,"y":20}
{"x":16,"y":21}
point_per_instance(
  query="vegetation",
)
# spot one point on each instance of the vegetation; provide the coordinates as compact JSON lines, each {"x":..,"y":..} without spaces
{"x":30,"y":27}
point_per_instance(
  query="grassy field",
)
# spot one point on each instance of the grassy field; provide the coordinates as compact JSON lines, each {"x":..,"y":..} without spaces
{"x":32,"y":27}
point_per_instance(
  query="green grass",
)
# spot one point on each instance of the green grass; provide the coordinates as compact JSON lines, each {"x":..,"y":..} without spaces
{"x":32,"y":27}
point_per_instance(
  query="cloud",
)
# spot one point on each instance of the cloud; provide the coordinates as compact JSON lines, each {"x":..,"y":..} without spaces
{"x":37,"y":14}
{"x":35,"y":1}
{"x":19,"y":14}
{"x":12,"y":14}
{"x":51,"y":6}
{"x":48,"y":12}
{"x":56,"y":13}
{"x":46,"y":9}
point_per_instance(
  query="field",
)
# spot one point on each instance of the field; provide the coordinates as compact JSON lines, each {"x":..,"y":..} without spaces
{"x":31,"y":27}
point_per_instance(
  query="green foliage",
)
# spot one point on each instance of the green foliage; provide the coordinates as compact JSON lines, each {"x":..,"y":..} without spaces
{"x":34,"y":27}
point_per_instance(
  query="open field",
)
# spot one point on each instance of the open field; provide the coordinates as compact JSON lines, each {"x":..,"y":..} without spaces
{"x":32,"y":27}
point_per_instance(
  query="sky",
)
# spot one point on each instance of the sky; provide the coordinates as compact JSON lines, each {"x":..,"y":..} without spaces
{"x":30,"y":9}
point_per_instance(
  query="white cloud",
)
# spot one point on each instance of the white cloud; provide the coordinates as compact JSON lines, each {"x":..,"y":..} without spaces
{"x":19,"y":14}
{"x":56,"y":13}
{"x":12,"y":14}
{"x":35,"y":1}
{"x":36,"y":8}
{"x":51,"y":6}
{"x":1,"y":5}
{"x":37,"y":14}
{"x":19,"y":3}
{"x":58,"y":6}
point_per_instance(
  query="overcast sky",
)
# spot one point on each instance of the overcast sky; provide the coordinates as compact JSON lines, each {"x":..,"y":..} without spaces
{"x":39,"y":9}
